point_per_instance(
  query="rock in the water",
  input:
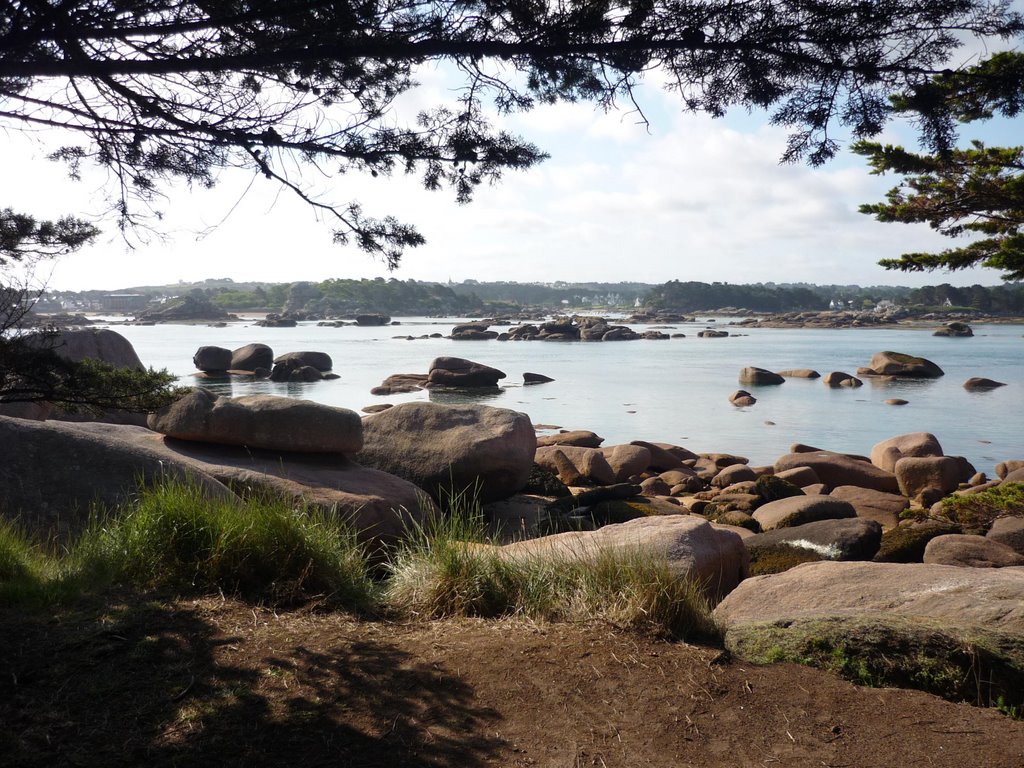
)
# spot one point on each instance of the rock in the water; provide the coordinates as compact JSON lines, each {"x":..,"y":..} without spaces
{"x":759,"y":376}
{"x":900,"y":364}
{"x":800,"y":373}
{"x":981,"y":384}
{"x":835,"y":469}
{"x":212,"y":359}
{"x":458,"y":372}
{"x":321,"y":361}
{"x":896,"y":401}
{"x":398,"y":383}
{"x":452,"y":447}
{"x":741,"y":398}
{"x":970,"y":552}
{"x":372,"y":320}
{"x":260,"y":421}
{"x":536,"y":378}
{"x":252,"y":356}
{"x":955,"y":330}
{"x":715,"y":560}
{"x":840,"y":379}
{"x":799,"y":510}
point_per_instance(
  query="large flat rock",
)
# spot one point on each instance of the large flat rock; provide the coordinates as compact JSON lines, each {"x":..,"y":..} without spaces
{"x":52,"y":472}
{"x":986,"y":597}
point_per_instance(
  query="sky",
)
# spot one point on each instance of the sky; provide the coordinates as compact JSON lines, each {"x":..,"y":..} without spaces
{"x":686,"y":197}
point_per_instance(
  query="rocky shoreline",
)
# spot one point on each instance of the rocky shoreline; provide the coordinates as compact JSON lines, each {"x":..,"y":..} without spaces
{"x":904,"y":537}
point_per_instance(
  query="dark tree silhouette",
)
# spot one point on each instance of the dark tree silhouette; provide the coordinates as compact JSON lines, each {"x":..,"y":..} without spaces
{"x":162,"y":89}
{"x":959,"y":190}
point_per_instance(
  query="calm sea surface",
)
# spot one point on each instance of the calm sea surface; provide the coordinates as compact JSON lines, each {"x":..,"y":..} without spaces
{"x":667,"y":391}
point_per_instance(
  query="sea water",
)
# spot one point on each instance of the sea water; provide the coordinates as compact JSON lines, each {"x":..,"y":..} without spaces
{"x":673,"y":390}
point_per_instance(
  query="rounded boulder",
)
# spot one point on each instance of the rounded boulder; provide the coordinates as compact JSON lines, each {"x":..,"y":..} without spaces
{"x":452,"y":448}
{"x":260,"y":421}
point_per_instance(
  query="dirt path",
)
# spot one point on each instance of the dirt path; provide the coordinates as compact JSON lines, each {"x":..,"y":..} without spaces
{"x":220,"y":683}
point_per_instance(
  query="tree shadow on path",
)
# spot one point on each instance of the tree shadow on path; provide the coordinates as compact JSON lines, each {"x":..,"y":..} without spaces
{"x":167,"y":684}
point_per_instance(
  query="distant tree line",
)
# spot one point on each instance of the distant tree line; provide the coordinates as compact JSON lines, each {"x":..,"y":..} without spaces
{"x":340,"y":296}
{"x":770,"y":297}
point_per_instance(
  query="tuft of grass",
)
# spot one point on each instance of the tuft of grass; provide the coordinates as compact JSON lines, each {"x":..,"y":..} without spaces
{"x":26,"y":570}
{"x":447,"y":569}
{"x":264,"y":549}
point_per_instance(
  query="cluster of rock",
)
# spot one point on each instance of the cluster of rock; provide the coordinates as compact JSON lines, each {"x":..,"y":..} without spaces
{"x":882,"y":365}
{"x":841,"y":541}
{"x":828,"y":319}
{"x":450,"y":373}
{"x":577,"y":328}
{"x":258,"y":360}
{"x":292,"y":317}
{"x":815,"y":536}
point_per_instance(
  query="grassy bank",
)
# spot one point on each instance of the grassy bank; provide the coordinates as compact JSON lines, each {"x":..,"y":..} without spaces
{"x":174,"y":539}
{"x":174,"y":542}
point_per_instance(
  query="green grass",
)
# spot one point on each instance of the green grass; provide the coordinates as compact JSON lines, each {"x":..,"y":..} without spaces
{"x":27,"y":572}
{"x":982,"y":667}
{"x":446,"y":568}
{"x":173,"y":537}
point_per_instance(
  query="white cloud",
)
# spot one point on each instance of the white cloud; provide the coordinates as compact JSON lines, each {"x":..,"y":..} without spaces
{"x":690,"y":198}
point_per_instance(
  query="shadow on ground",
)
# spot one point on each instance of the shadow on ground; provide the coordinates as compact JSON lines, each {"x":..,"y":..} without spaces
{"x":161,"y":684}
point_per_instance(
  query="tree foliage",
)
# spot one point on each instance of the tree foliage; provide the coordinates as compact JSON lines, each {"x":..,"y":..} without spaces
{"x":693,"y":296}
{"x":156,"y":90}
{"x":33,"y":370}
{"x":22,"y":236}
{"x":960,"y":190}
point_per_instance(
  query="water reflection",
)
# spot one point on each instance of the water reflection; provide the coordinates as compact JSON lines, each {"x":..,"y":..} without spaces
{"x":464,"y":396}
{"x":239,"y":386}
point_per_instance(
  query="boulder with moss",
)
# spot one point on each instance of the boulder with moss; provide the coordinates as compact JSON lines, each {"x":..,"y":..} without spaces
{"x":956,"y":632}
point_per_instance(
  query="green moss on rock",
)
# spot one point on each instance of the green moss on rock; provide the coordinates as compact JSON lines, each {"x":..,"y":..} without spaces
{"x":545,"y":483}
{"x":779,"y":558}
{"x":963,"y":664}
{"x":772,"y":488}
{"x":906,"y":543}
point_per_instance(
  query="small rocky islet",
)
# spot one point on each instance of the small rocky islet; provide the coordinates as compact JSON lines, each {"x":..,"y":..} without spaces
{"x":816,"y":539}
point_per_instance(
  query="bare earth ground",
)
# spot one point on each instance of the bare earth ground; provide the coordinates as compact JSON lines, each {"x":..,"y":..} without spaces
{"x":214,"y":682}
